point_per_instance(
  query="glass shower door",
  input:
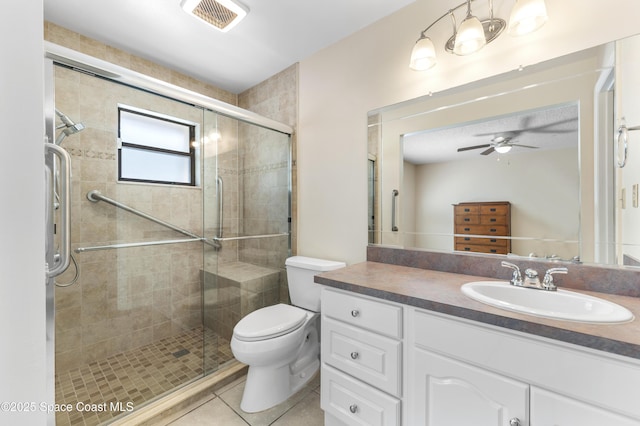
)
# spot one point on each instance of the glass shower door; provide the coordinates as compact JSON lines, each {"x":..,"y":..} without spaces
{"x":247,"y":210}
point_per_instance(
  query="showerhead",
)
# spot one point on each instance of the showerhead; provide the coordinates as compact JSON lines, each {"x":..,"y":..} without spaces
{"x":68,"y":127}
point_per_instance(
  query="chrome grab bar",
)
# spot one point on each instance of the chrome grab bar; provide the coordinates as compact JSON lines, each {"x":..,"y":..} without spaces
{"x":142,"y":244}
{"x":220,"y":194}
{"x":394,"y":198}
{"x":251,"y":237}
{"x":62,"y":259}
{"x":623,"y":135}
{"x":95,"y":196}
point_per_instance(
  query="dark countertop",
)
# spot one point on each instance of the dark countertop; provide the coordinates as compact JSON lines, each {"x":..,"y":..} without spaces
{"x":440,"y":292}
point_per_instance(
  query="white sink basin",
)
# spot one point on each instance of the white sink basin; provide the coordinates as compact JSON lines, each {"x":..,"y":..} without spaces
{"x":560,"y":304}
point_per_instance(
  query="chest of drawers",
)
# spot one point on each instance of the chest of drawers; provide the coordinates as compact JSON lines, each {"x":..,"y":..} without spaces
{"x":486,"y":224}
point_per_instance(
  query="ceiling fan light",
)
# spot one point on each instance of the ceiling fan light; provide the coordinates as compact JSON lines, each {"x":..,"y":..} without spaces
{"x":470,"y":37}
{"x":423,"y":55}
{"x":527,"y":16}
{"x":503,"y":149}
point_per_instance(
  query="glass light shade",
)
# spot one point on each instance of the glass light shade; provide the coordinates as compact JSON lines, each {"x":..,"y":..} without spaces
{"x":527,"y":16}
{"x":503,"y":149}
{"x":470,"y":37}
{"x":423,"y":55}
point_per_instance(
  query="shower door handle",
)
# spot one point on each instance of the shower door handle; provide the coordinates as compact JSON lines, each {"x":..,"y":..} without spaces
{"x":220,"y":194}
{"x":61,"y":260}
{"x":394,"y":200}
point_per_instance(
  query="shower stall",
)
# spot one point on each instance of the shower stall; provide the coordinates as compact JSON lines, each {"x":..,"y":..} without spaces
{"x":168,"y":247}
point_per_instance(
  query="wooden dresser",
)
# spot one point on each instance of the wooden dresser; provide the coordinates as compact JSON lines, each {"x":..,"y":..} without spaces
{"x":487,"y":219}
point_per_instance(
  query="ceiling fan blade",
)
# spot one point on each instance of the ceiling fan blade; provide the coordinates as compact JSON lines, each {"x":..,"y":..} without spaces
{"x":524,"y":146}
{"x":488,"y":151}
{"x":467,"y":148}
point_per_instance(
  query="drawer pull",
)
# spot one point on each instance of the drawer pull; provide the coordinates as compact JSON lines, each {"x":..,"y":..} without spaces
{"x":493,"y":219}
{"x":467,"y":210}
{"x":354,"y":355}
{"x":466,"y":219}
{"x":355,"y":313}
{"x":467,"y":229}
{"x":354,"y":409}
{"x":492,"y":209}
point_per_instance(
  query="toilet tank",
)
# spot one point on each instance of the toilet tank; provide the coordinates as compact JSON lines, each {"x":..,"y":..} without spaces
{"x":303,"y":291}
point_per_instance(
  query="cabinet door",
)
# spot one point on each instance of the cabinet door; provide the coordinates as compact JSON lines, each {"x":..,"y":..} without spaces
{"x":551,"y":409}
{"x":447,"y":392}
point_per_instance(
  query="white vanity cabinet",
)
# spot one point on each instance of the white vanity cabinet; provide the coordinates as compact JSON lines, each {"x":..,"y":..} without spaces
{"x":463,"y":372}
{"x":361,"y":377}
{"x":385,"y":363}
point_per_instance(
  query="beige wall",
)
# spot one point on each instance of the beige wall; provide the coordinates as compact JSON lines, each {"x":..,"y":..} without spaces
{"x":368,"y":70}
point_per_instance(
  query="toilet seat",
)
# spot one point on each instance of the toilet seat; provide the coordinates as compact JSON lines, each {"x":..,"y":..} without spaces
{"x":269,"y":322}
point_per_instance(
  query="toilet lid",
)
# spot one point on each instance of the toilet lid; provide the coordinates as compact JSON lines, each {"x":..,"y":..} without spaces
{"x":269,"y":322}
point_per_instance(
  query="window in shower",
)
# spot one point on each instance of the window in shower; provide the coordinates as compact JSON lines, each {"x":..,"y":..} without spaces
{"x":156,"y":148}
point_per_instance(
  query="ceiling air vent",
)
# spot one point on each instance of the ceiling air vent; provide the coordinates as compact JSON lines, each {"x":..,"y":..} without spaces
{"x":221,"y":14}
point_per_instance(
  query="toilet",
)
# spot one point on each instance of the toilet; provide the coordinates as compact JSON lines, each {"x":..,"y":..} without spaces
{"x":281,"y":343}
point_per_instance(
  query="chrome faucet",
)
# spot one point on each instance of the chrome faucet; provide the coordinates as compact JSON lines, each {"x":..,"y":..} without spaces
{"x":516,"y":278}
{"x":531,"y":279}
{"x":547,"y":281}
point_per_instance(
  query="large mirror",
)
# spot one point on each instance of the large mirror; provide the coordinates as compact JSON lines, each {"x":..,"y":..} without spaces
{"x":528,"y":163}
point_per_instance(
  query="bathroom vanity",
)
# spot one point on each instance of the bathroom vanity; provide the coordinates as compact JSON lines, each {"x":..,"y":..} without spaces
{"x":404,"y":346}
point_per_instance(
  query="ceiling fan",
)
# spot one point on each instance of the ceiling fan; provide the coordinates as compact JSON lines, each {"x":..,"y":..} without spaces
{"x":503,"y":142}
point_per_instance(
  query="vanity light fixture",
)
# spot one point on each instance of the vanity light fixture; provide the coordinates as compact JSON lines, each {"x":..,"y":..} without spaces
{"x":473,"y":34}
{"x":220,"y":14}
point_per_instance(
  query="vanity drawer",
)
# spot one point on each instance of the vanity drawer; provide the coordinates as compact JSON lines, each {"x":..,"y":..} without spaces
{"x":379,"y":317}
{"x":355,"y":403}
{"x":367,"y":356}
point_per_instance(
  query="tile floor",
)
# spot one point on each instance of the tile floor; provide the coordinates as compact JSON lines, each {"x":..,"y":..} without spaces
{"x":138,"y":376}
{"x":223,"y":409}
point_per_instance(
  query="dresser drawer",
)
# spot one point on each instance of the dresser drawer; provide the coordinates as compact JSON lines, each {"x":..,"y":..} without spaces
{"x":493,"y":242}
{"x":493,"y":220}
{"x":498,"y":230}
{"x":481,"y":249}
{"x":466,"y":209}
{"x":467,"y":219}
{"x":369,"y":357}
{"x":355,"y":403}
{"x":501,"y":209}
{"x":379,"y":317}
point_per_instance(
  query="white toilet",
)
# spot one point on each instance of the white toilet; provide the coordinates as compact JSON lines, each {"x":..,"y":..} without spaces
{"x":281,"y":343}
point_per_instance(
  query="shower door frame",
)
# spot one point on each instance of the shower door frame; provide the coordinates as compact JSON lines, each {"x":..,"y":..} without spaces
{"x":55,"y":54}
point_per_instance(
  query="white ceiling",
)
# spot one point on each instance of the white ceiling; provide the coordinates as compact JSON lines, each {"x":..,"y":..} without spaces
{"x":274,"y":35}
{"x":551,"y":128}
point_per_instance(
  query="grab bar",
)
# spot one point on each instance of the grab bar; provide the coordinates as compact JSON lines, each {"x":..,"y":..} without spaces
{"x":623,"y":132}
{"x":61,"y":259}
{"x":95,"y":196}
{"x":128,"y":245}
{"x":394,"y":197}
{"x":220,"y":194}
{"x":251,"y":237}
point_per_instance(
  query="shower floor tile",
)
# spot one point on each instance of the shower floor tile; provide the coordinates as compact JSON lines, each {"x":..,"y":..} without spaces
{"x":98,"y":392}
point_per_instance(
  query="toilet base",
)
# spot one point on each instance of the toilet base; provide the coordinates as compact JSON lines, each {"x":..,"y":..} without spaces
{"x":268,"y":387}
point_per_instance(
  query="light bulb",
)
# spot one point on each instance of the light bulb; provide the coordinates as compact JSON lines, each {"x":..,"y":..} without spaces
{"x":470,"y":37}
{"x":527,"y":16}
{"x":423,"y":55}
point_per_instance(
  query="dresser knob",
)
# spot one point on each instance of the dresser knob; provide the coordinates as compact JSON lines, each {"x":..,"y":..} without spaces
{"x":354,"y":408}
{"x":354,"y":355}
{"x":514,"y":422}
{"x":355,"y":313}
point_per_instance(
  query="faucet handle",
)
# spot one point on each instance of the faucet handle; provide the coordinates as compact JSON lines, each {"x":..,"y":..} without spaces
{"x":516,"y":278}
{"x":547,"y":282}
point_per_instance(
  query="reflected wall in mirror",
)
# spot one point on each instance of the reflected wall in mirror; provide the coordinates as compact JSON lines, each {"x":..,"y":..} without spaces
{"x":540,"y":139}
